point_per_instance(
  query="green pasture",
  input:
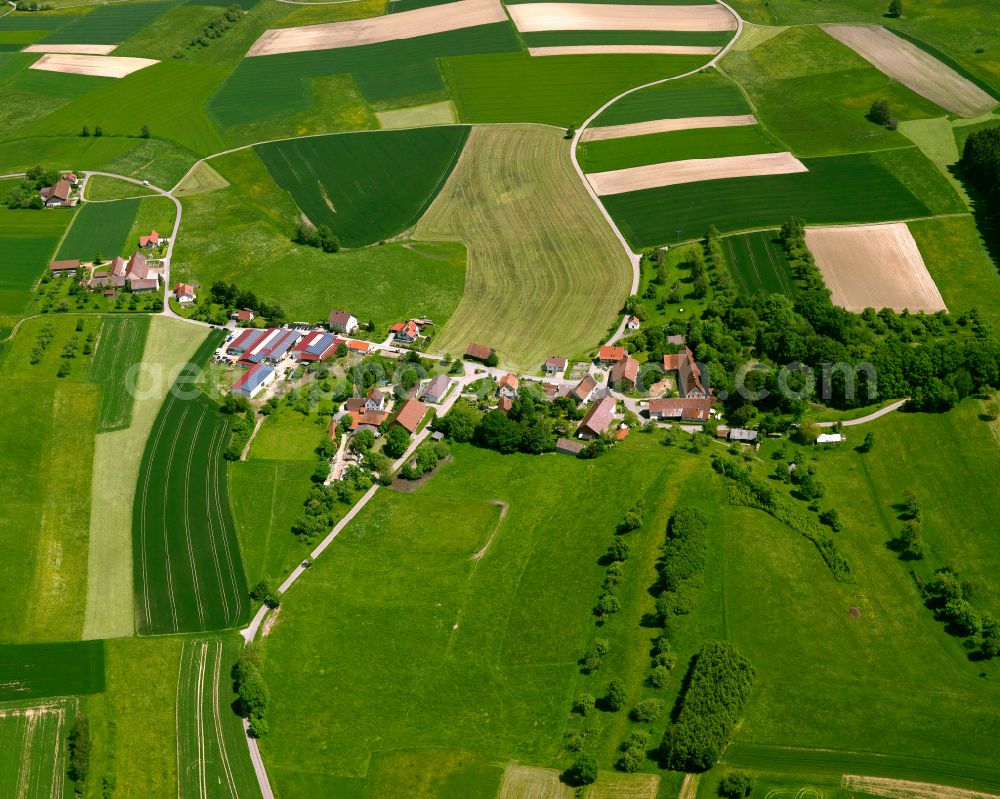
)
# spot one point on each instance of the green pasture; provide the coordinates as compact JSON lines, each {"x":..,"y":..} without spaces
{"x":65,"y":151}
{"x":287,"y":435}
{"x":701,"y":95}
{"x":928,"y":184}
{"x":570,"y":38}
{"x":211,"y":744}
{"x":99,"y":228}
{"x":161,"y":162}
{"x":278,"y":85}
{"x":155,"y":213}
{"x":35,"y":671}
{"x":109,"y":24}
{"x":189,"y":576}
{"x":120,"y":345}
{"x":836,"y":189}
{"x":243,"y":234}
{"x":757,"y":262}
{"x":25,"y":256}
{"x":267,"y":500}
{"x":33,"y":749}
{"x":34,"y":21}
{"x":100,"y":187}
{"x":813,"y":93}
{"x":55,"y":84}
{"x":555,"y":90}
{"x":964,"y":32}
{"x":653,"y":148}
{"x":366,"y":187}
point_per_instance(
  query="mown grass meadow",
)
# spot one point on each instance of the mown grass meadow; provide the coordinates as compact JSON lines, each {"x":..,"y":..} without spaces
{"x":701,"y":95}
{"x":120,"y":344}
{"x":757,"y":262}
{"x":99,"y":229}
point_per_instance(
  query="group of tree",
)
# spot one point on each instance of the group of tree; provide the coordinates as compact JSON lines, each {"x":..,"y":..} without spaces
{"x":981,"y":165}
{"x":232,"y":298}
{"x":99,"y":131}
{"x":266,"y":593}
{"x":32,"y":5}
{"x":737,"y":785}
{"x":320,"y":236}
{"x":79,"y":745}
{"x":881,"y":114}
{"x":681,"y":565}
{"x":633,"y":751}
{"x":244,"y":420}
{"x":253,"y":695}
{"x":951,"y":599}
{"x":425,"y":459}
{"x":26,"y":193}
{"x":217,"y":27}
{"x":42,"y":341}
{"x":713,"y":702}
{"x":615,"y":558}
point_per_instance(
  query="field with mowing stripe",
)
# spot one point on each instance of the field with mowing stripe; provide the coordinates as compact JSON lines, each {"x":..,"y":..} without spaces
{"x":109,"y":24}
{"x":571,"y":38}
{"x":36,"y":671}
{"x":212,"y":755}
{"x":555,"y":90}
{"x":545,"y":273}
{"x":120,"y":344}
{"x":841,"y":189}
{"x":366,"y":187}
{"x":189,"y":575}
{"x":99,"y":228}
{"x":28,"y":240}
{"x":599,"y":156}
{"x":757,"y":263}
{"x":33,"y":750}
{"x":701,"y":95}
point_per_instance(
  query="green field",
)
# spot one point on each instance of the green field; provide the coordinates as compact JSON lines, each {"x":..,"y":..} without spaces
{"x":847,"y":188}
{"x":33,"y":749}
{"x":599,"y":156}
{"x":189,"y":575}
{"x":545,"y":273}
{"x":757,"y":263}
{"x":701,"y":95}
{"x":278,"y":85}
{"x":99,"y":228}
{"x":100,"y":187}
{"x":366,"y":187}
{"x":36,"y":671}
{"x":120,"y":345}
{"x":555,"y":90}
{"x":211,"y":744}
{"x":108,"y":24}
{"x":242,"y":233}
{"x":28,"y":240}
{"x":812,"y":93}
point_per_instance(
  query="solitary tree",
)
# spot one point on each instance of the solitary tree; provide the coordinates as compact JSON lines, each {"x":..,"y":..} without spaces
{"x":881,"y":114}
{"x":615,"y":698}
{"x":98,"y":131}
{"x":265,"y":592}
{"x":85,"y":131}
{"x":582,"y":772}
{"x":144,"y":133}
{"x":896,"y":8}
{"x":869,"y":443}
{"x":737,"y":785}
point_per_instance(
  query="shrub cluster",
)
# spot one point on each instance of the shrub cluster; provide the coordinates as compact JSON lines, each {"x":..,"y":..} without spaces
{"x":253,"y":695}
{"x":424,"y":460}
{"x":240,"y":431}
{"x":321,"y":237}
{"x":42,"y":341}
{"x":231,"y":297}
{"x":633,"y":752}
{"x":714,"y":701}
{"x":79,"y":745}
{"x":217,"y":27}
{"x":951,"y":599}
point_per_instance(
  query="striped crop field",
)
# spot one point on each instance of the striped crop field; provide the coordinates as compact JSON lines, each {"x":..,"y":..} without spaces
{"x":33,"y":750}
{"x":212,"y":755}
{"x":189,"y":574}
{"x":120,"y":345}
{"x":757,"y":263}
{"x":99,"y":229}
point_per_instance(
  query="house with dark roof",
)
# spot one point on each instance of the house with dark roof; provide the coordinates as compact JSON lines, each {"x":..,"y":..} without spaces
{"x":689,"y":377}
{"x":410,"y":415}
{"x":253,"y":381}
{"x":376,"y":400}
{"x":554,"y":365}
{"x":342,"y":322}
{"x":687,"y":410}
{"x":598,"y":419}
{"x":57,"y":195}
{"x":317,"y":345}
{"x":608,"y":355}
{"x":64,"y":268}
{"x":625,"y":373}
{"x":567,"y":446}
{"x":140,"y":286}
{"x":478,"y":352}
{"x":436,"y":389}
{"x":262,"y":345}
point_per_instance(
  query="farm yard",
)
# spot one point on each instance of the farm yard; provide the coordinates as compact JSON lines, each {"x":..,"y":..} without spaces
{"x":544,"y":275}
{"x":366,"y":187}
{"x":189,"y":575}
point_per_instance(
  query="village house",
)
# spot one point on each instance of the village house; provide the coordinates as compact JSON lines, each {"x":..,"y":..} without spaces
{"x":687,"y":410}
{"x":63,"y":268}
{"x":478,"y":352}
{"x":376,"y":400}
{"x":505,"y":404}
{"x":436,"y":389}
{"x":184,"y":294}
{"x":598,"y":419}
{"x":354,"y":345}
{"x":253,"y":381}
{"x":72,"y":179}
{"x":262,"y":345}
{"x":150,"y":241}
{"x":584,"y":390}
{"x":742,"y":435}
{"x":142,"y":285}
{"x":99,"y":279}
{"x":405,"y":332}
{"x":625,"y":373}
{"x":632,"y":323}
{"x":508,"y":386}
{"x":410,"y":415}
{"x":550,"y":390}
{"x":609,"y":355}
{"x":689,"y":382}
{"x":315,"y":346}
{"x":554,"y":365}
{"x":675,"y":340}
{"x":243,"y":316}
{"x":365,"y":419}
{"x":342,"y":322}
{"x":57,"y":195}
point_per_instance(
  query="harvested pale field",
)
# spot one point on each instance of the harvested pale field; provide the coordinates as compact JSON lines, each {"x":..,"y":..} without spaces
{"x":97,"y":65}
{"x":530,"y":17}
{"x":200,"y":179}
{"x":666,"y":126}
{"x":611,"y":785}
{"x":545,"y":273}
{"x":874,"y":266}
{"x":442,"y":113}
{"x":693,"y":170}
{"x":71,"y":49}
{"x":914,"y":68}
{"x":526,"y":782}
{"x":404,"y":25}
{"x":622,"y":49}
{"x":904,"y":789}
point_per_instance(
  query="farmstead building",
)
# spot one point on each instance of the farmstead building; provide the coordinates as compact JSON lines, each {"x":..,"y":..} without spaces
{"x":253,"y":381}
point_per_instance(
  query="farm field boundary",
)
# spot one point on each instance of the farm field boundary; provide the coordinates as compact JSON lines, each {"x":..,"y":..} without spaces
{"x":120,"y":344}
{"x":99,"y":229}
{"x":757,"y":262}
{"x":33,"y":749}
{"x":35,"y":671}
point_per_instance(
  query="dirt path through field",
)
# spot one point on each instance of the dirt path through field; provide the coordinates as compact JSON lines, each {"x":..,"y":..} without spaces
{"x":666,"y":126}
{"x":905,"y":789}
{"x":504,"y":507}
{"x":622,"y":49}
{"x":530,"y":17}
{"x":97,"y":65}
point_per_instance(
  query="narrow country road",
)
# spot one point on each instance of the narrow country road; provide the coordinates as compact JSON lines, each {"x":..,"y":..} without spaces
{"x":871,"y":417}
